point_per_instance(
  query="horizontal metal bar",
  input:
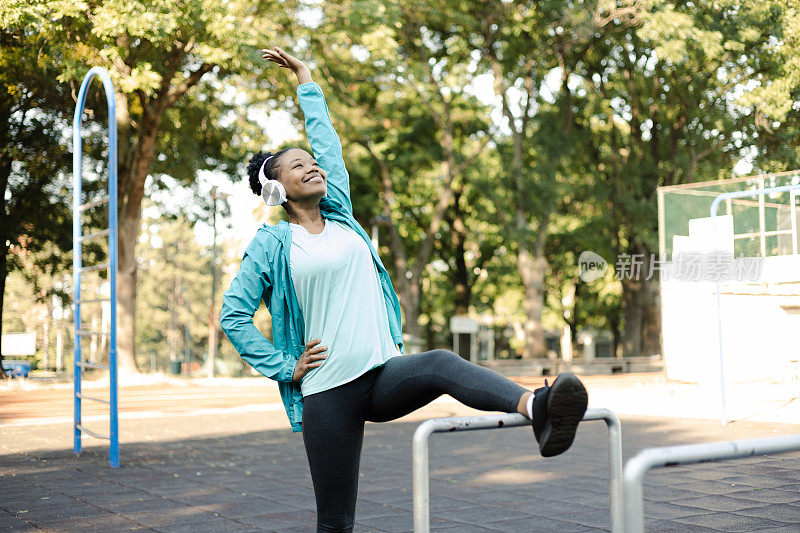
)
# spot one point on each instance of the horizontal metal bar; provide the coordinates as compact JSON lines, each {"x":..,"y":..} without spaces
{"x":747,"y":193}
{"x":88,"y":332}
{"x":728,"y":181}
{"x":637,"y":467}
{"x":764,"y":233}
{"x":92,"y":433}
{"x":88,"y":205}
{"x":96,"y":235}
{"x":100,"y":266}
{"x":84,"y":397}
{"x":94,"y":300}
{"x":87,"y":364}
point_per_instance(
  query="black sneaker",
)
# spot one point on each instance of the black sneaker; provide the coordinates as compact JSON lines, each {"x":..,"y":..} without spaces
{"x":557,"y":411}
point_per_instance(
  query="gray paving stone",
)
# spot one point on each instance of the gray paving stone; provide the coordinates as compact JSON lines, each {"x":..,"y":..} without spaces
{"x":755,"y":480}
{"x":719,"y":503}
{"x":467,"y":528}
{"x":706,"y":474}
{"x":101,"y":499}
{"x":768,"y":495}
{"x":787,"y":461}
{"x":390,"y":524}
{"x":708,"y":487}
{"x":42,"y":500}
{"x":218,"y":525}
{"x":552,"y":509}
{"x":788,"y":475}
{"x":169,"y":517}
{"x":788,"y":514}
{"x":666,"y":493}
{"x":539,"y":524}
{"x":385,"y":495}
{"x":368,"y":509}
{"x":101,"y":524}
{"x":214,"y":495}
{"x":670,"y":511}
{"x":668,"y":526}
{"x":138,"y":505}
{"x":9,"y":522}
{"x":284,"y":520}
{"x":730,"y":522}
{"x":481,"y":514}
{"x":763,"y":466}
{"x":46,"y":515}
{"x":596,"y":518}
{"x":244,"y":508}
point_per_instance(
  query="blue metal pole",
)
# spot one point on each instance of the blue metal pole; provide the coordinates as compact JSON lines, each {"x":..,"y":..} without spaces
{"x":76,"y":261}
{"x":77,"y":191}
{"x":713,"y":212}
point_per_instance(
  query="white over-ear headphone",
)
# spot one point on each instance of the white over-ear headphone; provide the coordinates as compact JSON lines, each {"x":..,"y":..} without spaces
{"x":272,"y":191}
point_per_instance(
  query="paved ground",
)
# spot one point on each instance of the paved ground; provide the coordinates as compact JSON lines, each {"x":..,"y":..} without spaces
{"x":237,"y":467}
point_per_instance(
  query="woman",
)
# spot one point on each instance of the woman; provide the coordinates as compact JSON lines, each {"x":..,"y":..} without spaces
{"x":337,"y":348}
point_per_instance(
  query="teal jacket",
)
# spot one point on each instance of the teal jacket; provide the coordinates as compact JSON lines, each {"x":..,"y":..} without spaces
{"x":264,"y":272}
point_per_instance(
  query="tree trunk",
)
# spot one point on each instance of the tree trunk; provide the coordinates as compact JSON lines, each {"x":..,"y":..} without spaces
{"x":3,"y":275}
{"x":651,"y":328}
{"x":131,"y":190}
{"x":532,"y":268}
{"x":48,"y":324}
{"x":633,"y":312}
{"x":409,"y":296}
{"x":458,"y":237}
{"x":126,"y":293}
{"x":640,"y":308}
{"x":616,"y":336}
{"x":172,"y":325}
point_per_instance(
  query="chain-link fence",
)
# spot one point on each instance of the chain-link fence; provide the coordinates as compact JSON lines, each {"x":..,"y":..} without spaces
{"x":735,"y":323}
{"x":764,"y":225}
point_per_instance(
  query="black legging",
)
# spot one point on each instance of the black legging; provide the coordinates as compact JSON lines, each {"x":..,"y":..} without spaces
{"x":333,"y":420}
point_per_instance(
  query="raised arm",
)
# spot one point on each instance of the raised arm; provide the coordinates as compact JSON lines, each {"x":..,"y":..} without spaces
{"x":239,"y":303}
{"x":324,"y":141}
{"x":321,"y":134}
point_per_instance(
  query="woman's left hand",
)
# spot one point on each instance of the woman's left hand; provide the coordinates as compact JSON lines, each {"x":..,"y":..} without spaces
{"x":283,"y":59}
{"x":286,"y":60}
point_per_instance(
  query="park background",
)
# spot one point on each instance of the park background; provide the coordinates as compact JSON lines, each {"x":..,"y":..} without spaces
{"x":488,"y":145}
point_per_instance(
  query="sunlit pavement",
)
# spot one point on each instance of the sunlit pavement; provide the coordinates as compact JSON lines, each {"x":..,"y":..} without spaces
{"x":218,"y":455}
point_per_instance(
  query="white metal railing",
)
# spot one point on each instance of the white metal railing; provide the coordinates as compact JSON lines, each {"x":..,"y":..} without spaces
{"x":646,"y":460}
{"x":420,"y":474}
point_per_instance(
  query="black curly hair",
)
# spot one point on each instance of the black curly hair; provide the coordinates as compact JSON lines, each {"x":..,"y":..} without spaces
{"x":269,"y":169}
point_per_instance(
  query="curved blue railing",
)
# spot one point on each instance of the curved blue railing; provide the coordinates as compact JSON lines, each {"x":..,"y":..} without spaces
{"x":77,"y":268}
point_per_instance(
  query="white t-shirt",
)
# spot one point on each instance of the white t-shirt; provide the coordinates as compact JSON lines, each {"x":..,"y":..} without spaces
{"x":340,"y":296}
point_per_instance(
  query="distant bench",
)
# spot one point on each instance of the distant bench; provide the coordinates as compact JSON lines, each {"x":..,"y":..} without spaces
{"x":16,"y":368}
{"x":552,"y":367}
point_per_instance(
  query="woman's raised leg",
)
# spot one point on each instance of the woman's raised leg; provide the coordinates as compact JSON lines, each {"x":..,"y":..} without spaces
{"x":406,"y":383}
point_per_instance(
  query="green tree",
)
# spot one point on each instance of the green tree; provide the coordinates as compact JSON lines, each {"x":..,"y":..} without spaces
{"x":660,"y":109}
{"x":170,"y":63}
{"x":34,"y":204}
